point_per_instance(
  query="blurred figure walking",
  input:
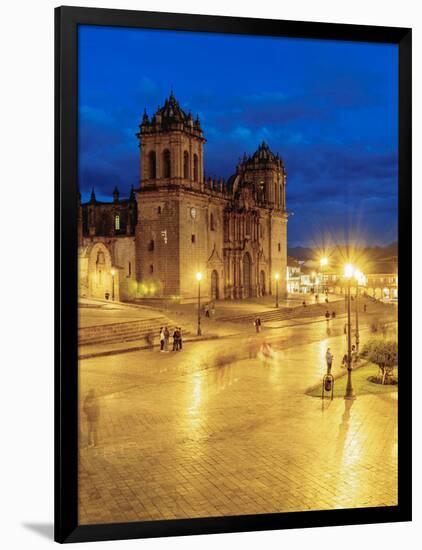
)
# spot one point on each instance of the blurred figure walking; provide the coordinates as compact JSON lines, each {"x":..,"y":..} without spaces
{"x":91,"y":409}
{"x":162,"y":338}
{"x":166,"y":339}
{"x":329,"y":359}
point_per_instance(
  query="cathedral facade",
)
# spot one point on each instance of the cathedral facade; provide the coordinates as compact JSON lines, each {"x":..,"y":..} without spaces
{"x":179,"y":223}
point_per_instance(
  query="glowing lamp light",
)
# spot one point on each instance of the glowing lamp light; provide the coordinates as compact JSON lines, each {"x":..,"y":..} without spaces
{"x":277,"y":276}
{"x":198,"y":276}
{"x":360,"y":277}
{"x":349,"y":271}
{"x":323,"y":261}
{"x":113,"y":272}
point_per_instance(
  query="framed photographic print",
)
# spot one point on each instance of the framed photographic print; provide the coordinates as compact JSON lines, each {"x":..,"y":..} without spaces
{"x":233,"y":220}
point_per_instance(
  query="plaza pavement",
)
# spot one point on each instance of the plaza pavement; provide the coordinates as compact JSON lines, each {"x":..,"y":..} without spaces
{"x":230,"y":319}
{"x":209,"y":431}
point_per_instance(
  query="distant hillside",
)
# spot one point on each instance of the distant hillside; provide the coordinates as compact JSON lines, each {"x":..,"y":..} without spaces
{"x":301,"y":253}
{"x":304,"y":253}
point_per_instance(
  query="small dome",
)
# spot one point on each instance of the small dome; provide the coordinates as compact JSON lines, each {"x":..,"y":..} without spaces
{"x":264,"y":154}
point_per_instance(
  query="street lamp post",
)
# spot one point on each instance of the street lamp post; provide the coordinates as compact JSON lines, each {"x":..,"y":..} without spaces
{"x":357,"y":318}
{"x":198,"y":278}
{"x":277,"y":277}
{"x":113,"y":272}
{"x":323,"y":262}
{"x":348,"y":273}
{"x":359,"y":280}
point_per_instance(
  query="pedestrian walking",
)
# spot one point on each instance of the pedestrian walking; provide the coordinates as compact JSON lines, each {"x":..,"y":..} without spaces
{"x":364,"y":308}
{"x":304,"y":303}
{"x":162,"y":337}
{"x":329,"y":359}
{"x":327,"y":315}
{"x":207,"y":310}
{"x":166,"y":339}
{"x":333,"y":315}
{"x":345,"y":328}
{"x":258,"y":324}
{"x":180,"y":337}
{"x":176,"y":339}
{"x":91,"y":409}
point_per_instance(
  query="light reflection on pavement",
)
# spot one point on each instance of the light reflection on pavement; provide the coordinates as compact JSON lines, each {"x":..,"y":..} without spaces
{"x":212,"y":430}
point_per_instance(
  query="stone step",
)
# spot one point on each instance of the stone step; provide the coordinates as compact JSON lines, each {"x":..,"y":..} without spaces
{"x":116,"y":326}
{"x":122,"y":332}
{"x":313,"y":310}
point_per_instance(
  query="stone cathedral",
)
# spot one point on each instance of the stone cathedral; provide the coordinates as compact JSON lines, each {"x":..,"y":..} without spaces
{"x":179,"y":222}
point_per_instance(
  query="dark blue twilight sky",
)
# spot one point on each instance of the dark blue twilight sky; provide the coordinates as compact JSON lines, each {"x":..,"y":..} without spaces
{"x":328,"y":108}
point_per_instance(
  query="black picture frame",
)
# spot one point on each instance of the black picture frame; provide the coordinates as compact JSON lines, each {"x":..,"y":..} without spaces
{"x":67,"y":20}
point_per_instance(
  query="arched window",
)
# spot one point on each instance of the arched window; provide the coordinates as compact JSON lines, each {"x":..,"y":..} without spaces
{"x":166,"y":164}
{"x":152,"y":165}
{"x":195,"y":168}
{"x":151,"y":268}
{"x":212,"y":222}
{"x":151,"y":245}
{"x":117,"y":222}
{"x":186,"y":165}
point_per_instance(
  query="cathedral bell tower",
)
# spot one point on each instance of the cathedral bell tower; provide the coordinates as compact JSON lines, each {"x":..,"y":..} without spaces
{"x":172,"y":180}
{"x":266,"y":170}
{"x":171,"y":145}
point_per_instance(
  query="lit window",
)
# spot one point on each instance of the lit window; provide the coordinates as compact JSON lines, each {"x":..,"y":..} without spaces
{"x":117,"y":222}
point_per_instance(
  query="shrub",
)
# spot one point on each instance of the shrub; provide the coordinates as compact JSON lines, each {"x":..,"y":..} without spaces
{"x":383,"y":353}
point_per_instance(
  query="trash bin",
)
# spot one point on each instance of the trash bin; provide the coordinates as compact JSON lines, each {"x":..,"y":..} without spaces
{"x":328,"y":384}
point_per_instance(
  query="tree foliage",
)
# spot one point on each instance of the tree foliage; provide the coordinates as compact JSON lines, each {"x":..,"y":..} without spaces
{"x":383,"y":353}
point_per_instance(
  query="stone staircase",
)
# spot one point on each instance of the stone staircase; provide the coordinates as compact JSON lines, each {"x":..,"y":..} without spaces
{"x":310,"y":311}
{"x":127,"y":331}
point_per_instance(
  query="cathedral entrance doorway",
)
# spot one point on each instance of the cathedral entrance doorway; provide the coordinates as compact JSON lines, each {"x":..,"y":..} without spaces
{"x":214,"y":285}
{"x":262,"y":283}
{"x":99,"y":272}
{"x":247,"y":276}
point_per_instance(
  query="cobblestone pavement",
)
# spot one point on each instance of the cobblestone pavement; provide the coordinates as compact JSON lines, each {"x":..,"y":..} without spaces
{"x":180,"y":435}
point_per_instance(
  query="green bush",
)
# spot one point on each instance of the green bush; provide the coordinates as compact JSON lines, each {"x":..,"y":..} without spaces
{"x":383,"y":353}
